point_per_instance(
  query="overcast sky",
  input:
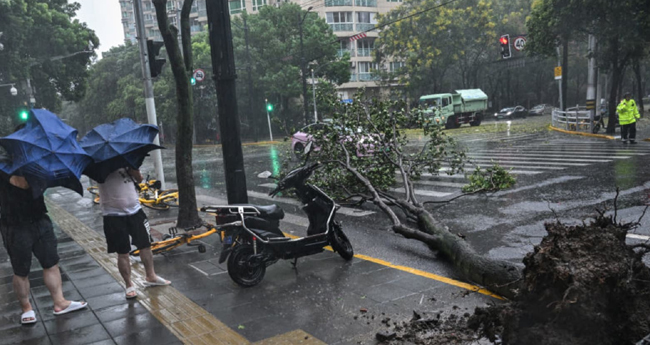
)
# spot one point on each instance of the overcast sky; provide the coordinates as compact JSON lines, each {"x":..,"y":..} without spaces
{"x":104,"y":17}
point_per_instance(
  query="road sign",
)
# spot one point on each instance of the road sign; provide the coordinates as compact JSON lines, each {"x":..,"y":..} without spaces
{"x":558,"y":72}
{"x":520,"y":43}
{"x":199,"y":75}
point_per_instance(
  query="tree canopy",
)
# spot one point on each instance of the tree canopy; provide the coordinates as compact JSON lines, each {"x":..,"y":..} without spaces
{"x":43,"y":42}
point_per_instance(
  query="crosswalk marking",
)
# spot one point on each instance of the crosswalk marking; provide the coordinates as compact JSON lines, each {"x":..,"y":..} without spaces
{"x":541,"y":158}
{"x":537,"y":161}
{"x":439,"y":183}
{"x":568,"y":152}
{"x":343,"y":210}
{"x":593,"y":155}
{"x":430,"y":193}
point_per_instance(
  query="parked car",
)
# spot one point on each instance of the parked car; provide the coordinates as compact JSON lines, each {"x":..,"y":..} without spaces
{"x":511,"y":112}
{"x":541,"y":109}
{"x":365,"y":146}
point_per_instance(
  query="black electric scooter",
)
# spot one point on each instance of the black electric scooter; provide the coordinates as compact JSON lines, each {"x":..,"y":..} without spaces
{"x":252,"y":239}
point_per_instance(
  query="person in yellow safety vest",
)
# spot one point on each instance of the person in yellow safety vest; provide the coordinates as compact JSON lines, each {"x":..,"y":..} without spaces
{"x":628,"y":112}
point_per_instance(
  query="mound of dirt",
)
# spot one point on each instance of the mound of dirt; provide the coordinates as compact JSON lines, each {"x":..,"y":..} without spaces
{"x":582,"y":285}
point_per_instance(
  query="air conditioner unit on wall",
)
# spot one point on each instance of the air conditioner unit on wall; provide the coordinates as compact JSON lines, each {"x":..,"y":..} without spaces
{"x":353,"y":64}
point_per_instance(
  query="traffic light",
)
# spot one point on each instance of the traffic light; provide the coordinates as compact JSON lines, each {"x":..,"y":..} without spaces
{"x":505,"y":47}
{"x":155,"y":63}
{"x":192,"y":81}
{"x":23,"y":114}
{"x":269,"y":107}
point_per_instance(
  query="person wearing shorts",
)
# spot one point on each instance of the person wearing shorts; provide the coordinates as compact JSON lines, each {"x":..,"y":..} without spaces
{"x":126,"y":224}
{"x":26,"y":229}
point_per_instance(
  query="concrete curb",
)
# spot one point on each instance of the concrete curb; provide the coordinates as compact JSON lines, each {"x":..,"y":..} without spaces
{"x":602,"y":136}
{"x":245,"y":144}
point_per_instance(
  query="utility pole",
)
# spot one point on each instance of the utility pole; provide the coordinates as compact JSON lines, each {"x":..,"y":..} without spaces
{"x":313,"y":91}
{"x":250,"y":83}
{"x":148,"y":87}
{"x":591,"y":79}
{"x":559,"y":63}
{"x":223,"y":67}
{"x":301,"y":19}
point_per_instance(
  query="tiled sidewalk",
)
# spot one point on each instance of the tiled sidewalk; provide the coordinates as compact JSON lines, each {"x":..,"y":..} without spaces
{"x":109,"y":319}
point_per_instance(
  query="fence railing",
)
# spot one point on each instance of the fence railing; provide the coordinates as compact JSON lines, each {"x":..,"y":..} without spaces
{"x":342,"y":27}
{"x":575,"y":120}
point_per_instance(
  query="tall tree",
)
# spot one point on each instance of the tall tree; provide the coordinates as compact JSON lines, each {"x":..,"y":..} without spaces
{"x":439,"y":42}
{"x":181,"y":66}
{"x":274,"y":46}
{"x":43,"y":42}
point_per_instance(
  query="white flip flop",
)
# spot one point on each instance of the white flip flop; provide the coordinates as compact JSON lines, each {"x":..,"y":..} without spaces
{"x":26,"y":316}
{"x":130,"y":290}
{"x":160,"y":281}
{"x":74,"y":306}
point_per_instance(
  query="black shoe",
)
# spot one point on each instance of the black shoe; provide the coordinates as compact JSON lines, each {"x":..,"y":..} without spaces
{"x":624,"y":141}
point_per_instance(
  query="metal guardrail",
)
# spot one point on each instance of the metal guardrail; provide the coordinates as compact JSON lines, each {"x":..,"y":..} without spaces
{"x":575,"y":120}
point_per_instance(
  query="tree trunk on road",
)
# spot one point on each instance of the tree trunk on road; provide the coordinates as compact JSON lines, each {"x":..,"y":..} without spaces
{"x":182,"y":69}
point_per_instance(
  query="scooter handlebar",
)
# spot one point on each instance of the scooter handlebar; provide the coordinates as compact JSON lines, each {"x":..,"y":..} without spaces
{"x":298,"y":174}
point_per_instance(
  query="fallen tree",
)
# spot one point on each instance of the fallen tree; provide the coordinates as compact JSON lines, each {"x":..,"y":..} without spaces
{"x":364,"y":148}
{"x":582,"y":285}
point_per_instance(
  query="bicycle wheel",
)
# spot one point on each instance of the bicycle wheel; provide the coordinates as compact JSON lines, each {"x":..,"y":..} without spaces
{"x":171,"y":201}
{"x":155,"y":205}
{"x":162,"y":246}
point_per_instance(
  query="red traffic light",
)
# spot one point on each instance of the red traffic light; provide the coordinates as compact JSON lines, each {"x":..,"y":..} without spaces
{"x":504,"y":40}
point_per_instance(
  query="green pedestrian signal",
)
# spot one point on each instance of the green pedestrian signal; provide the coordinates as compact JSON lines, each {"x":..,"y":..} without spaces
{"x":269,"y":107}
{"x":23,"y":115}
{"x":193,"y":81}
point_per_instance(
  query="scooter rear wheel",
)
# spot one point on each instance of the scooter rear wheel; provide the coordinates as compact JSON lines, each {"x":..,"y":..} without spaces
{"x":340,"y":243}
{"x":240,"y":270}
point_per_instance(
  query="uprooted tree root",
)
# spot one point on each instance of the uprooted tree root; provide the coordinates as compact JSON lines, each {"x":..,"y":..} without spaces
{"x":581,"y":285}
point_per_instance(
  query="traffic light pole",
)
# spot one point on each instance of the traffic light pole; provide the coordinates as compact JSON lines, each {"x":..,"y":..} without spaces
{"x":268,"y":118}
{"x":148,"y":87}
{"x":223,"y":67}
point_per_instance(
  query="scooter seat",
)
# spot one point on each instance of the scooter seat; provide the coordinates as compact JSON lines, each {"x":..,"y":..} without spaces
{"x":267,"y":211}
{"x":263,"y":227}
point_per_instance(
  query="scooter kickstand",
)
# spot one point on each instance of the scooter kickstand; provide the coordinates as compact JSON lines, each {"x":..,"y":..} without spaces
{"x":295,"y":263}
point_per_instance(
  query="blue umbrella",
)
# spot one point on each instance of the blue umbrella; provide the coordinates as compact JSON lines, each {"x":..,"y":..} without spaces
{"x":46,"y":153}
{"x":122,"y":143}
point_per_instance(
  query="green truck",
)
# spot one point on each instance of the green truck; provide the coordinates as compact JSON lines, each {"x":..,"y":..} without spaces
{"x":455,"y":109}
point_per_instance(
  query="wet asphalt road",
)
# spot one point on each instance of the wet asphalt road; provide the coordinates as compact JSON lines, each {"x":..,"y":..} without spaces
{"x":558,"y":177}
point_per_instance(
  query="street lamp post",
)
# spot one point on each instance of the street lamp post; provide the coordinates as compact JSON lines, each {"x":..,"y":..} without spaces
{"x":268,"y":118}
{"x":13,"y":89}
{"x":302,"y":65}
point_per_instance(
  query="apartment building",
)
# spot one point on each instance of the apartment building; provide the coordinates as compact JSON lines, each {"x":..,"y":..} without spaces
{"x":347,"y":18}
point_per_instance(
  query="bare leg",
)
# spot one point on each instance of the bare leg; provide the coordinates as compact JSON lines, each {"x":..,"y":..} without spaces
{"x":147,"y":261}
{"x":124,"y":266}
{"x":21,"y":288}
{"x":52,"y":278}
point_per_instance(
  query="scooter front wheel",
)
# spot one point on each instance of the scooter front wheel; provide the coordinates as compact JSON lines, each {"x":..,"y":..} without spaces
{"x":241,"y":268}
{"x":340,"y":243}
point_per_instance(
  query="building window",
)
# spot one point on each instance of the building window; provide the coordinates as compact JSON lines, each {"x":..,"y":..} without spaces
{"x":396,"y":66}
{"x":195,"y":26}
{"x":344,"y":48}
{"x":340,"y":21}
{"x":365,"y":3}
{"x":329,"y":3}
{"x":125,"y":14}
{"x":148,"y":6}
{"x":365,"y":71}
{"x":236,"y":6}
{"x":365,"y":47}
{"x":393,"y":0}
{"x":171,"y":6}
{"x":257,"y":4}
{"x":366,"y":21}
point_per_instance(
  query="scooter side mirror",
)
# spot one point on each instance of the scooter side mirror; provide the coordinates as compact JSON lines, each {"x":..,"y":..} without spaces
{"x":264,"y":174}
{"x":308,"y":147}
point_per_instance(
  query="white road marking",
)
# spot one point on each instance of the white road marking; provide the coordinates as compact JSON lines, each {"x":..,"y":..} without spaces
{"x":541,"y":158}
{"x":529,"y":154}
{"x":505,"y":161}
{"x":638,"y":237}
{"x":430,"y":193}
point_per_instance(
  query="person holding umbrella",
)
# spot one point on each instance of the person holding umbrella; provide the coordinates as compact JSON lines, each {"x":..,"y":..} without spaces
{"x":118,"y":150}
{"x":26,"y":229}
